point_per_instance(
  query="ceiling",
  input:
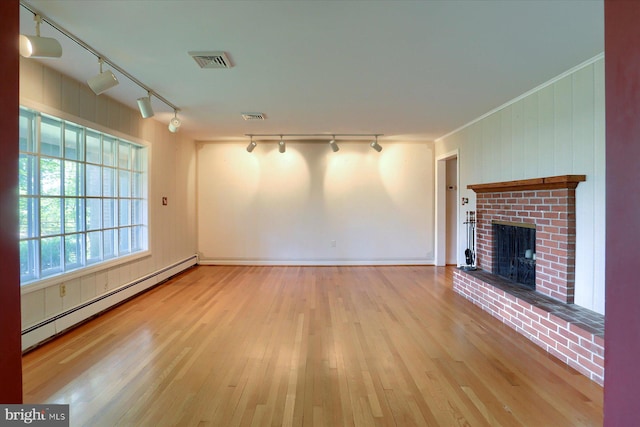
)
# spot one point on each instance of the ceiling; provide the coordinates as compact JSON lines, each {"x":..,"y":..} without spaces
{"x":411,"y":70}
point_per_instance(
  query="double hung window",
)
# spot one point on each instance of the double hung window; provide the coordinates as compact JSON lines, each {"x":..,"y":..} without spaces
{"x":82,"y":196}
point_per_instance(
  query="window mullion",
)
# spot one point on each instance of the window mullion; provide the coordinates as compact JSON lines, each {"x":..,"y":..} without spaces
{"x":38,"y":223}
{"x":63,"y":198}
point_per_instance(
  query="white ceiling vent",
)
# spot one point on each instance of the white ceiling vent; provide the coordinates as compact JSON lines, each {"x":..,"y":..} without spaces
{"x":254,"y":116}
{"x":213,"y":59}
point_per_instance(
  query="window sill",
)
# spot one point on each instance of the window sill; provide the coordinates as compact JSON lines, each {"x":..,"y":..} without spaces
{"x":65,"y":277}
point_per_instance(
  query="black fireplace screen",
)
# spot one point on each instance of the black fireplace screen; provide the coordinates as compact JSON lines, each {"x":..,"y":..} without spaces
{"x":514,"y":253}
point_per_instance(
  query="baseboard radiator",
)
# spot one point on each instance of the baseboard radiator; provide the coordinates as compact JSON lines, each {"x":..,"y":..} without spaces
{"x":47,"y":329}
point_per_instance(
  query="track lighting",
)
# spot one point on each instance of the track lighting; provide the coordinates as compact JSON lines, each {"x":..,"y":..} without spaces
{"x":175,"y":123}
{"x":39,"y":47}
{"x":144,"y":104}
{"x":333,"y":144}
{"x":36,"y":46}
{"x":103,"y":81}
{"x":375,"y":145}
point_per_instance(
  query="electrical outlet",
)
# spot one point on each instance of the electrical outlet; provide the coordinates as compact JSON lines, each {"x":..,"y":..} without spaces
{"x":63,"y":290}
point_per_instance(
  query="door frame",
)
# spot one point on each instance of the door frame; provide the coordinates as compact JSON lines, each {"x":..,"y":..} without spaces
{"x":440,"y":257}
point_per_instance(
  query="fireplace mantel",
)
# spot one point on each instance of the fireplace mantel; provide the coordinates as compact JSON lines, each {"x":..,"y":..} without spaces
{"x":549,"y":183}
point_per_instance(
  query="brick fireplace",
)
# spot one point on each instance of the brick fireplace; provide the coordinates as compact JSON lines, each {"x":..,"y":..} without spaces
{"x":547,"y":315}
{"x":550,"y":205}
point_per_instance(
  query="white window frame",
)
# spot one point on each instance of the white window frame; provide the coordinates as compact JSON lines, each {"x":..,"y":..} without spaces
{"x":39,"y":278}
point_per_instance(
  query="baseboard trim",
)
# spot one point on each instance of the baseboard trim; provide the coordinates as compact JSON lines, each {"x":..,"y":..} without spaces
{"x":332,"y":262}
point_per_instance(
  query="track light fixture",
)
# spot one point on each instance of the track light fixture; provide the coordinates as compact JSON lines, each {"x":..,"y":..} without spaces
{"x":375,"y":145}
{"x":144,"y":105}
{"x":174,"y":124}
{"x":39,"y":47}
{"x":333,"y":144}
{"x":103,"y":81}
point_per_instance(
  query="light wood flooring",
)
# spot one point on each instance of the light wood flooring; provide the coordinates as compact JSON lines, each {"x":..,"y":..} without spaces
{"x":306,"y":346}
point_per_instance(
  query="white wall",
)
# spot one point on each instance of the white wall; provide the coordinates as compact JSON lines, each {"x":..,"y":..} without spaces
{"x":557,"y":129}
{"x":172,"y":174}
{"x":273,"y":208}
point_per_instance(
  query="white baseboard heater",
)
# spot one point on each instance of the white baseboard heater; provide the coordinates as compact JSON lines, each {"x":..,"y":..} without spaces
{"x":55,"y":325}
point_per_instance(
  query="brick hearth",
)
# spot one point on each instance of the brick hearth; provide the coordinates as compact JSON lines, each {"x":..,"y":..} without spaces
{"x":547,"y":315}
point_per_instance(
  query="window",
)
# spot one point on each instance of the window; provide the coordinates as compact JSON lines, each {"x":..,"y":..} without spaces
{"x":83,"y":197}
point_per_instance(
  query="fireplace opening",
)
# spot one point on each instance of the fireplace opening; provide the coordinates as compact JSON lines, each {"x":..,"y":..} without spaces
{"x":514,"y":252}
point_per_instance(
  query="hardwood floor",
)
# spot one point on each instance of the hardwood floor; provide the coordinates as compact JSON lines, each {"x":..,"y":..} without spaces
{"x":303,"y":346}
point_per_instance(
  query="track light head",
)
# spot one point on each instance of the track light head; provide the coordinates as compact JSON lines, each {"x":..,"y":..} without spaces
{"x":251,"y":146}
{"x":375,"y":145}
{"x":174,"y":124}
{"x":144,"y":105}
{"x":39,"y":47}
{"x":334,"y":145}
{"x":281,"y":146}
{"x":103,"y":81}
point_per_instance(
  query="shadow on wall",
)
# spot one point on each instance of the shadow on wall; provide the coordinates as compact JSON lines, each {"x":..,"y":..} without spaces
{"x":310,"y":203}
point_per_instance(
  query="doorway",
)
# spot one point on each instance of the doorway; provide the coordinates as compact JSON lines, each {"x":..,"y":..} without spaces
{"x":447,"y":209}
{"x":451,"y":230}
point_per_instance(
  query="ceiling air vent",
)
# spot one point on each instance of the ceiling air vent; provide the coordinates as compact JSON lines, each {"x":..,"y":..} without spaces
{"x":253,"y":116}
{"x":214,"y":59}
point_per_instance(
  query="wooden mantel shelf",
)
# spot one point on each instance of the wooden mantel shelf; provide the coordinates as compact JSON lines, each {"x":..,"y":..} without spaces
{"x":552,"y":182}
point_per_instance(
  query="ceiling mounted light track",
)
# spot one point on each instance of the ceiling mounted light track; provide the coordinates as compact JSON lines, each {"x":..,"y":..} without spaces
{"x":99,"y":83}
{"x":39,"y":47}
{"x":332,"y":142}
